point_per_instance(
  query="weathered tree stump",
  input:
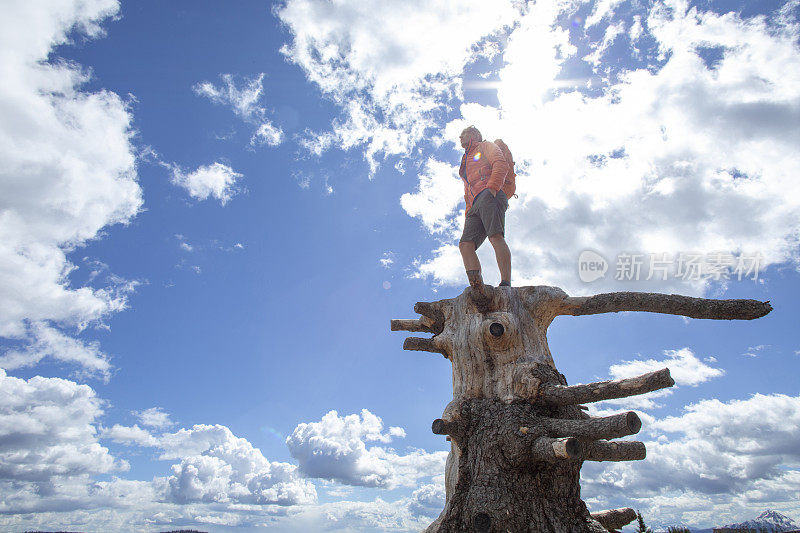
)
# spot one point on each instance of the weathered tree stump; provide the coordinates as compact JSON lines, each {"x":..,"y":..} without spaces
{"x":518,"y":434}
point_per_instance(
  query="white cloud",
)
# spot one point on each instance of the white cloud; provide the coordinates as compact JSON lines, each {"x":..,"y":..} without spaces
{"x":612,"y":32}
{"x":387,"y":259}
{"x":684,"y":366}
{"x":714,"y":463}
{"x":48,"y":434}
{"x":602,"y":9}
{"x":49,"y":467}
{"x":52,"y":455}
{"x":67,"y":166}
{"x":154,"y":417}
{"x":755,"y":351}
{"x":666,"y":158}
{"x":216,"y":180}
{"x":409,"y":513}
{"x":130,"y":435}
{"x":390,"y":70}
{"x":406,"y":514}
{"x":336,"y":448}
{"x":217,"y":466}
{"x":267,"y":134}
{"x":48,"y":342}
{"x":428,"y":500}
{"x":245,"y":102}
{"x":437,"y":196}
{"x":636,"y":28}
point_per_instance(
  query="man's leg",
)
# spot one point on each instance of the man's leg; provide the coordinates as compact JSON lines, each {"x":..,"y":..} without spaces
{"x":469,"y":256}
{"x":503,"y":255}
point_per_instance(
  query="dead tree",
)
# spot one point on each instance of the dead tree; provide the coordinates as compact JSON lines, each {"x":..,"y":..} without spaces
{"x":518,"y":432}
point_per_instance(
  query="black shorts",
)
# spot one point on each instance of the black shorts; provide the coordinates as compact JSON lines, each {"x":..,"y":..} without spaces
{"x":486,"y":217}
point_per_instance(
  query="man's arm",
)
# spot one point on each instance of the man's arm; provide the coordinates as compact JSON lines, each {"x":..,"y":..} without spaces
{"x":499,"y":167}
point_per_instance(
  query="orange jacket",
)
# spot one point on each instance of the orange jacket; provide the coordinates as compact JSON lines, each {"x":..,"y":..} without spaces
{"x":482,"y":167}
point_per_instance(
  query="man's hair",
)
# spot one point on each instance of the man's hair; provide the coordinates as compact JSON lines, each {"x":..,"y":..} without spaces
{"x":474,"y":131}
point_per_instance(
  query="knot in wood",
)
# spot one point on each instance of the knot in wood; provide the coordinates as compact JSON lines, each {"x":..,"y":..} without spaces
{"x":500,"y":332}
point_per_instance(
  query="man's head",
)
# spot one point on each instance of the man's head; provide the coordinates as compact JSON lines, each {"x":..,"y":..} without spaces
{"x":470,"y":135}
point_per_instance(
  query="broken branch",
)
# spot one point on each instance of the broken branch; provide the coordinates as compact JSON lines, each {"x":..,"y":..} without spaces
{"x":552,"y":450}
{"x":432,"y":315}
{"x":607,"y":427}
{"x":423,"y":345}
{"x":605,"y":390}
{"x":443,"y":427}
{"x":614,"y":519}
{"x":410,"y":324}
{"x":626,"y":450}
{"x":671,"y":304}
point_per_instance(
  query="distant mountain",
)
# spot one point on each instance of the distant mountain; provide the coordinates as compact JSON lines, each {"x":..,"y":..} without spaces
{"x":772,"y":521}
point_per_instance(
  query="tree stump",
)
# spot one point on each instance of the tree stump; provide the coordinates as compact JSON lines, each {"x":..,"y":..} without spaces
{"x":518,"y":433}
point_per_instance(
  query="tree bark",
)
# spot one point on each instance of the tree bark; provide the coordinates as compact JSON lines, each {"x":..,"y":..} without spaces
{"x":412,"y":324}
{"x":607,"y":427}
{"x":626,"y":450}
{"x":507,"y":478}
{"x":423,"y":345}
{"x":615,"y":518}
{"x":606,"y":390}
{"x":518,"y":436}
{"x":672,"y":304}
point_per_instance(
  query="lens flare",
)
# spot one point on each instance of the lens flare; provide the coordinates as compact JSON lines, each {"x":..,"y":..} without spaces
{"x":477,"y":156}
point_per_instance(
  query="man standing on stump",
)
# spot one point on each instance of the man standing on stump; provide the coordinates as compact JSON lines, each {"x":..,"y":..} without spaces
{"x":483,"y":171}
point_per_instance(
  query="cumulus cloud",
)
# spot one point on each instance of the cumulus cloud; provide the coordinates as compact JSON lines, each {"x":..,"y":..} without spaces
{"x":49,"y":466}
{"x":391,"y":71}
{"x":130,"y":435}
{"x":154,"y":417}
{"x":48,"y":433}
{"x":409,"y":513}
{"x":67,"y":166}
{"x":428,"y":500}
{"x":217,"y":466}
{"x":714,"y":462}
{"x":245,"y":100}
{"x":48,"y":342}
{"x":216,"y":180}
{"x":678,"y":155}
{"x":684,"y":366}
{"x":436,"y":197}
{"x":50,"y":456}
{"x":336,"y":448}
{"x":216,"y":478}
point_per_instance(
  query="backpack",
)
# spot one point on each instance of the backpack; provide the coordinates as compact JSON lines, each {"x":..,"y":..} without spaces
{"x":510,"y":185}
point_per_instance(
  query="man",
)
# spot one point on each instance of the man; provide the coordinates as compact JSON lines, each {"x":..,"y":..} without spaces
{"x":483,"y":170}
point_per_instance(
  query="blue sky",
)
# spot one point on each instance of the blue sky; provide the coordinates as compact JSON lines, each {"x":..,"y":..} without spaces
{"x":209,"y":213}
